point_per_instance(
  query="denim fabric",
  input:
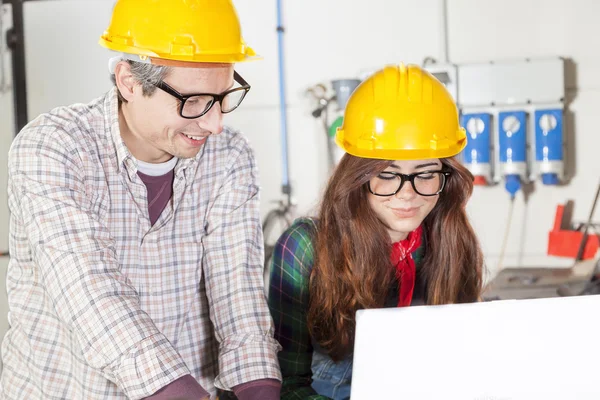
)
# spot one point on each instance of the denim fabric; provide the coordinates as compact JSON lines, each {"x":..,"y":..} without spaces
{"x":329,"y":378}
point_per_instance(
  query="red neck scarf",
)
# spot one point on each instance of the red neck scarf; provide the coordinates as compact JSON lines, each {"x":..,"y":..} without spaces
{"x":405,"y":265}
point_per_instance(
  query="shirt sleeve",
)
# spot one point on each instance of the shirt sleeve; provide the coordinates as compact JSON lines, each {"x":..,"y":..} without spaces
{"x":75,"y":256}
{"x":233,"y":272}
{"x":291,"y":265}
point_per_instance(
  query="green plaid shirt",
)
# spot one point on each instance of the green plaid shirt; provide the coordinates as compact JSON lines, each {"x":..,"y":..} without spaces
{"x":291,"y":265}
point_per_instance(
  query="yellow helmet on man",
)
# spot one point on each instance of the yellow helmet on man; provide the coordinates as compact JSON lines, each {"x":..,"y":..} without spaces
{"x":177,"y":32}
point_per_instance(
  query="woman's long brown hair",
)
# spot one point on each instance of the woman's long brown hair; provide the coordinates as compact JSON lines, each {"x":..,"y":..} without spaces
{"x":352,"y":269}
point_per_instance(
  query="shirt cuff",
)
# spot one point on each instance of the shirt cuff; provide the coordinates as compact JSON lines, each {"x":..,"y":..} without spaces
{"x":148,"y":367}
{"x":184,"y":388}
{"x":246,"y":358}
{"x":261,"y":389}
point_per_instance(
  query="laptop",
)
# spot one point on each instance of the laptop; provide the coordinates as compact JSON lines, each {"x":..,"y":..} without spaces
{"x":498,"y":350}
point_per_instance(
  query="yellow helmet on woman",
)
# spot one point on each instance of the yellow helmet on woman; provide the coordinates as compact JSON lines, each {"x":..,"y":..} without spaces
{"x":401,"y":113}
{"x":176,"y":32}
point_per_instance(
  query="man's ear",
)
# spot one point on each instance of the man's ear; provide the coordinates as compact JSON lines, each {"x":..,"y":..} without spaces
{"x":124,"y":80}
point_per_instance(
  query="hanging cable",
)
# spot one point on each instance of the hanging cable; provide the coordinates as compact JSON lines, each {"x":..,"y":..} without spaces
{"x":499,"y":265}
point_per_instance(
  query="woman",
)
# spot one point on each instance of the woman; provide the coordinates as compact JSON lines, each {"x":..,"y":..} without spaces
{"x":392,"y":230}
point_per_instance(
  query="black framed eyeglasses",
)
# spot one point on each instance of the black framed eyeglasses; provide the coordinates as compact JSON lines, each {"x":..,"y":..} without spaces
{"x":426,"y":183}
{"x":196,"y":105}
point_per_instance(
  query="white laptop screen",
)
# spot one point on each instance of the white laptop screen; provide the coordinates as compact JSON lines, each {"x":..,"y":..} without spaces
{"x":499,"y":350}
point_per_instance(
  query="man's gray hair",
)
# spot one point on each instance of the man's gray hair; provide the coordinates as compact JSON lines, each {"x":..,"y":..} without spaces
{"x":145,"y":74}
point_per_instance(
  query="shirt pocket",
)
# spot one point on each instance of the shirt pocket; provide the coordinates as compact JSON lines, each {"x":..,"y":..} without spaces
{"x":168,"y":282}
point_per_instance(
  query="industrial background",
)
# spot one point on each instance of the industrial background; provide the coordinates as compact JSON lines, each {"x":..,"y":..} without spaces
{"x":525,"y":73}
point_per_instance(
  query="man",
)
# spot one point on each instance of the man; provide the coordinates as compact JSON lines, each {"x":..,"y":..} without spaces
{"x":135,"y":237}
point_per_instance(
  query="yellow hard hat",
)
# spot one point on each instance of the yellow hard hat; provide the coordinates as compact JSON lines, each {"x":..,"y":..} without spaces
{"x":401,"y":113}
{"x":179,"y":31}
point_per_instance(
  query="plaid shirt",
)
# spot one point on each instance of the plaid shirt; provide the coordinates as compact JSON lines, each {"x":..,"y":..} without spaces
{"x":104,"y":305}
{"x":291,"y":266}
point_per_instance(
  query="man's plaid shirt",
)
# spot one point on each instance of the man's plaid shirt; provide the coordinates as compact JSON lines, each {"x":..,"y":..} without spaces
{"x":104,"y":305}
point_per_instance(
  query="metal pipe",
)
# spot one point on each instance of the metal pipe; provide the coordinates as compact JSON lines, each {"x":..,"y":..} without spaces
{"x":4,"y":87}
{"x":445,"y":56}
{"x":15,"y":39}
{"x":285,"y":184}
